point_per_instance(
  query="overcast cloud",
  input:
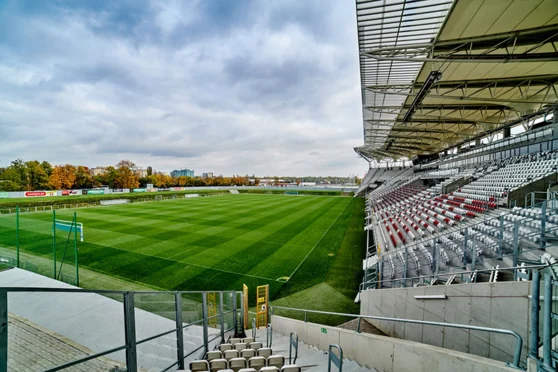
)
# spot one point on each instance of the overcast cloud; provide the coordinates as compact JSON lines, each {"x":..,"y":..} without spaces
{"x":264,"y":87}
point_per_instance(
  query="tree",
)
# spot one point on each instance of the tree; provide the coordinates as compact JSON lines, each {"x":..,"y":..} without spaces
{"x":149,"y":171}
{"x":84,"y":179}
{"x":37,"y":178}
{"x":162,"y":180}
{"x":63,"y":177}
{"x":47,"y":168}
{"x":127,"y":177}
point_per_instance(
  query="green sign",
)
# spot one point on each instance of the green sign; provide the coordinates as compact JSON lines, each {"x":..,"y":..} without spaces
{"x":4,"y":195}
{"x":140,"y":190}
{"x":95,"y":192}
{"x":324,"y":330}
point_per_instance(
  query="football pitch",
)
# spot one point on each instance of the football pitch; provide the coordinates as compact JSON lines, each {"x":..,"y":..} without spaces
{"x":209,"y":243}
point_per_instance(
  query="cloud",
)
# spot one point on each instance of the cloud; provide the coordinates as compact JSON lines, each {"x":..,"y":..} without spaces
{"x":229,"y":87}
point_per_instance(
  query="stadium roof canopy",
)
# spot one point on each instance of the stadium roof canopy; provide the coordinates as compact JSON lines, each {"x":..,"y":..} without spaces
{"x":436,"y":74}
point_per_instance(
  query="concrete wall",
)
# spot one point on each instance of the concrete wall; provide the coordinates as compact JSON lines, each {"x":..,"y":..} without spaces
{"x":386,"y":354}
{"x":498,"y":305}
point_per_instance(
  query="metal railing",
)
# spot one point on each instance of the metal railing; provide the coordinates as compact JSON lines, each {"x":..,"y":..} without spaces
{"x":537,"y":197}
{"x":130,"y":309}
{"x":293,"y":344}
{"x":518,"y":339}
{"x":337,"y":360}
{"x":462,"y":275}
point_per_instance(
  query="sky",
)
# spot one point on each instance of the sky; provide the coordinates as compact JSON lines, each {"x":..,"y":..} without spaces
{"x":230,"y":87}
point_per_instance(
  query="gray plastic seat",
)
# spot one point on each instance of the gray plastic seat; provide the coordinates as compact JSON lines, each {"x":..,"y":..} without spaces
{"x":237,"y":364}
{"x":257,"y":362}
{"x":248,"y":353}
{"x":224,"y":347}
{"x":291,"y":368}
{"x":276,"y":361}
{"x":217,"y":364}
{"x":199,"y":365}
{"x":265,"y":352}
{"x":215,"y":354}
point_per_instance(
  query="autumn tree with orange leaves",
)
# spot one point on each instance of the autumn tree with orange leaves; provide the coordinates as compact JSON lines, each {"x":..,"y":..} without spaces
{"x":63,"y":177}
{"x":127,"y":177}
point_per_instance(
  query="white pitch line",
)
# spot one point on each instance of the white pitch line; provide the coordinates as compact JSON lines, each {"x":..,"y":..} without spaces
{"x":226,"y":271}
{"x":318,"y":242}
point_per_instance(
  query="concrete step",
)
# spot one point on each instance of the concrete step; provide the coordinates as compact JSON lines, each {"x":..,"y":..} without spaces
{"x":310,"y":358}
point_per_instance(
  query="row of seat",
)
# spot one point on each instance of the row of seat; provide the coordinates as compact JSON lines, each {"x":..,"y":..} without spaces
{"x":256,"y":364}
{"x":240,"y":346}
{"x":237,"y":364}
{"x":243,"y":353}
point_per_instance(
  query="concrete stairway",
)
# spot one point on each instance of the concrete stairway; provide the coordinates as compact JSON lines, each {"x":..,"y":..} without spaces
{"x":310,"y":358}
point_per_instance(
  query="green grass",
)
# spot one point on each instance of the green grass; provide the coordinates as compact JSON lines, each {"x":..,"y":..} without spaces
{"x":217,"y":243}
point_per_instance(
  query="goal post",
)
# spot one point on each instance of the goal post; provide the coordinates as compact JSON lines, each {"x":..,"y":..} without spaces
{"x":69,"y":226}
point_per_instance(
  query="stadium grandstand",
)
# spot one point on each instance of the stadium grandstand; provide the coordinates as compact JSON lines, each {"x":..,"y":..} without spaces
{"x":460,"y":131}
{"x":460,"y":123}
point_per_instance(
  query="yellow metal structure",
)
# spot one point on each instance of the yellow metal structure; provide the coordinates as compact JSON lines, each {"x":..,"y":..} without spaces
{"x":245,"y":304}
{"x":212,"y":308}
{"x":262,"y":293}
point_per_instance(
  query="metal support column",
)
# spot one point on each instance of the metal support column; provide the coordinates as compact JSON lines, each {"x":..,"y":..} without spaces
{"x":242,"y":325}
{"x":465,"y":244}
{"x":437,"y":257}
{"x":3,"y":330}
{"x":17,"y":236}
{"x":405,"y":265}
{"x":76,"y":249}
{"x":54,"y":242}
{"x":222,"y":317}
{"x":235,"y":314}
{"x":515,"y":248}
{"x":543,"y":225}
{"x":473,"y":254}
{"x":535,"y":299}
{"x":547,"y":322}
{"x":130,"y":332}
{"x":433,"y":265}
{"x":501,"y":239}
{"x":205,"y":322}
{"x":179,"y":330}
{"x":367,"y":241}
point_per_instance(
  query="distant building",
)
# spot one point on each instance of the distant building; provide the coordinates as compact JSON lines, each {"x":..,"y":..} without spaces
{"x":182,"y":173}
{"x":141,"y":172}
{"x":98,"y":170}
{"x":207,"y":175}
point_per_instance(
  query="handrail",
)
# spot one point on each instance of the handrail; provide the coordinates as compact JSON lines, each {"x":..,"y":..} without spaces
{"x":269,"y":335}
{"x":518,"y":345}
{"x":254,"y":328}
{"x":459,"y":273}
{"x":293,"y":343}
{"x":337,"y":360}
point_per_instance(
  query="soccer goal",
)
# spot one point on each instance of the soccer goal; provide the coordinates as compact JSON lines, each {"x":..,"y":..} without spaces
{"x":68,"y":226}
{"x":158,"y":197}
